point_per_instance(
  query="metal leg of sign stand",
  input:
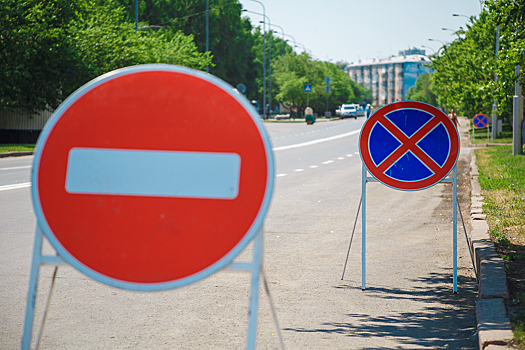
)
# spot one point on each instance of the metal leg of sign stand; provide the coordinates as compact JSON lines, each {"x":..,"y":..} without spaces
{"x":363,"y":228}
{"x":255,"y":268}
{"x":455,"y":229}
{"x":351,"y":238}
{"x":469,"y":244}
{"x":38,"y":259}
{"x":274,"y":314}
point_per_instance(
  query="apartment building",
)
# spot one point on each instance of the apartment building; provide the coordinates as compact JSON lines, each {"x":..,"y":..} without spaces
{"x":390,"y":78}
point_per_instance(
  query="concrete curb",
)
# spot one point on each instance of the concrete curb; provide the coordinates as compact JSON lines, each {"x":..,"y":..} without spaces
{"x":16,"y":154}
{"x":494,"y":331}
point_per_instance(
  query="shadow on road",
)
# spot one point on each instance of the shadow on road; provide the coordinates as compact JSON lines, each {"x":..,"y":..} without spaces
{"x":445,"y":322}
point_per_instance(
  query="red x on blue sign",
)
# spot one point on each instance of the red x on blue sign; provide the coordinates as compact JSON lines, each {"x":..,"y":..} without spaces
{"x":480,"y":121}
{"x":409,"y":145}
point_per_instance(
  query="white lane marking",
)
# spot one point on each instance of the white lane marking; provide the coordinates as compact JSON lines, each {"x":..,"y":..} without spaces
{"x":356,"y":152}
{"x":340,"y":157}
{"x":299,"y":170}
{"x":280,"y":175}
{"x":313,"y":142}
{"x":349,"y":155}
{"x":328,"y":162}
{"x":314,"y":166}
{"x":15,"y":186}
{"x":17,"y":167}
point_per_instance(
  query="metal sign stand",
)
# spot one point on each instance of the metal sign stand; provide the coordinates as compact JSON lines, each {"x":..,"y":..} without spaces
{"x":362,"y":206}
{"x":254,"y":267}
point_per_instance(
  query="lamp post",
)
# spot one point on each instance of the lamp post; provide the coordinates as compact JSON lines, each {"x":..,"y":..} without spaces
{"x":304,"y":48}
{"x":428,"y":47}
{"x":264,"y":56}
{"x":292,"y":39}
{"x":494,"y":105}
{"x":282,"y":31}
{"x":457,"y":15}
{"x":136,"y":15}
{"x":437,"y":40}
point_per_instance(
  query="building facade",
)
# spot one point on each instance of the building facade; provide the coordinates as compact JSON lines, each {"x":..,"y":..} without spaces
{"x":390,"y":78}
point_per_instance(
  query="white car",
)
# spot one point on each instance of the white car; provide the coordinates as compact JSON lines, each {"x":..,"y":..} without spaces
{"x":349,"y":111}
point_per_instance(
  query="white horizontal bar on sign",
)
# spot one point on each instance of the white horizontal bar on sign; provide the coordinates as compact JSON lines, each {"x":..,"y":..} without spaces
{"x":153,"y":173}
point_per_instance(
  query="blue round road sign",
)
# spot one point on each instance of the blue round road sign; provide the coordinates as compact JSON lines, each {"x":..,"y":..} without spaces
{"x":409,"y":145}
{"x":480,"y":121}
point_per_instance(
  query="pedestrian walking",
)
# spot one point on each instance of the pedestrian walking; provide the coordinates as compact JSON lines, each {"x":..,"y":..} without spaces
{"x":454,"y":118}
{"x":367,"y":110}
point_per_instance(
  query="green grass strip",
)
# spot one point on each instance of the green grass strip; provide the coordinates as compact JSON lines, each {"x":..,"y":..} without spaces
{"x":13,"y":147}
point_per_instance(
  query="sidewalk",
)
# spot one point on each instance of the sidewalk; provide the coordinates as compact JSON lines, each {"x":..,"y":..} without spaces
{"x":493,"y":324}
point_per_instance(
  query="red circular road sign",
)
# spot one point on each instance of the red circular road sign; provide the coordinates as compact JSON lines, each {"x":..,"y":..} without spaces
{"x":480,"y":121}
{"x":152,"y":177}
{"x":409,"y":145}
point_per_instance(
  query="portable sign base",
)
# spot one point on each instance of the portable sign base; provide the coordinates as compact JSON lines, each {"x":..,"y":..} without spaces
{"x":365,"y":180}
{"x":151,"y":178}
{"x":408,"y":146}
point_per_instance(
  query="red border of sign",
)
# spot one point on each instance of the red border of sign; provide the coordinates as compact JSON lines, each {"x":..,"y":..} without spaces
{"x":409,"y":185}
{"x":481,"y":120}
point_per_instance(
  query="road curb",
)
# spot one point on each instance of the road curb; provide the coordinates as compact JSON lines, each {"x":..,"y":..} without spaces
{"x":493,"y":323}
{"x":16,"y":154}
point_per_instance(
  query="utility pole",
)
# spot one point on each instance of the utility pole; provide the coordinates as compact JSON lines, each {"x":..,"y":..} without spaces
{"x":517,"y":114}
{"x":494,"y":105}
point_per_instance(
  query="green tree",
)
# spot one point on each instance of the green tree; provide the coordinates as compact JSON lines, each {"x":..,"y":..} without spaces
{"x":464,"y":70}
{"x":37,"y":63}
{"x":50,"y":48}
{"x":292,"y":72}
{"x":423,"y":90}
{"x":230,"y":36}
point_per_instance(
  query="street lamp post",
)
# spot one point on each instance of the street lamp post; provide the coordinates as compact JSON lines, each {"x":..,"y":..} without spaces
{"x":136,"y":15}
{"x":207,"y":32}
{"x":304,"y":48}
{"x":428,"y":47}
{"x":264,"y":56}
{"x":457,"y":15}
{"x":282,"y":31}
{"x":494,"y":105}
{"x":437,"y":40}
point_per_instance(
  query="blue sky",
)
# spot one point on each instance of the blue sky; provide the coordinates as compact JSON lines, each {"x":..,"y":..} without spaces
{"x":350,"y":30}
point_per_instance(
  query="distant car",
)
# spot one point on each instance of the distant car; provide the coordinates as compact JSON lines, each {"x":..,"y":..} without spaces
{"x":361,"y":112}
{"x":349,"y":111}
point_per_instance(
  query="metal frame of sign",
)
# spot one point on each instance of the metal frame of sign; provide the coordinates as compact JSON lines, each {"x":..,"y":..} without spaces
{"x":365,"y":179}
{"x":254,"y":233}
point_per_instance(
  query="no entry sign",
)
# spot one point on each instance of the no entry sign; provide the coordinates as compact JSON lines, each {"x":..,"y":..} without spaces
{"x":480,"y":121}
{"x":409,"y":145}
{"x":152,"y":177}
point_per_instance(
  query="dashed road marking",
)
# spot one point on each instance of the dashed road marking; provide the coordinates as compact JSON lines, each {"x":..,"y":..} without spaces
{"x":280,"y":175}
{"x":328,"y":162}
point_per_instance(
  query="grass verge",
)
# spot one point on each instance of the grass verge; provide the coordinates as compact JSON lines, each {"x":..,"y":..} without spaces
{"x":502,"y":180}
{"x":13,"y":147}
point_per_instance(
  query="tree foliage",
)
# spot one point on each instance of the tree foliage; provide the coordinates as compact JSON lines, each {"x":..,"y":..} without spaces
{"x":36,"y":60}
{"x":50,"y":48}
{"x":423,"y":91}
{"x":464,"y":77}
{"x":293,"y":71}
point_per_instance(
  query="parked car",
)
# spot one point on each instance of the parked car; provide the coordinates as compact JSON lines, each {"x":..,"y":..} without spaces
{"x":349,"y":111}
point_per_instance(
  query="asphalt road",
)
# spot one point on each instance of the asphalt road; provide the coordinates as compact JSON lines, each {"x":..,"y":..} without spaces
{"x":408,"y":303}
